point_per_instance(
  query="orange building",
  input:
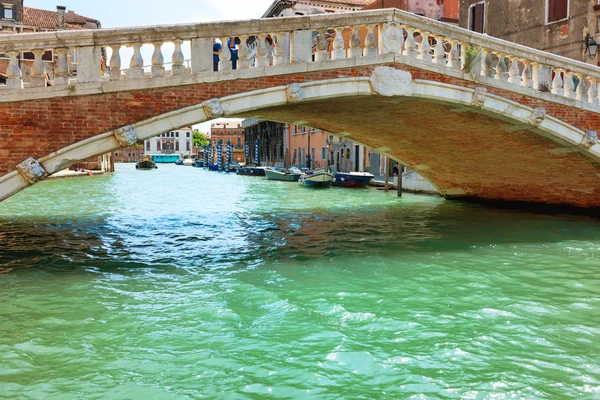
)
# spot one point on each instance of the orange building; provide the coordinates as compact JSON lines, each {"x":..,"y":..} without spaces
{"x":229,"y":131}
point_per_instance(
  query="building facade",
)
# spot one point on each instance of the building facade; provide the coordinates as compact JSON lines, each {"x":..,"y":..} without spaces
{"x":232,"y":131}
{"x":555,"y":26}
{"x":272,"y":142}
{"x":128,"y":154}
{"x":178,"y":141}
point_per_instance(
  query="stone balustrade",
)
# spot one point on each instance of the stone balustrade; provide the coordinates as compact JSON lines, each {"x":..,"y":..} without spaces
{"x":267,"y":43}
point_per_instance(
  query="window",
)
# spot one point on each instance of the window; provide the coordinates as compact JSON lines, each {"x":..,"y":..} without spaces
{"x":323,"y":153}
{"x":177,"y":146}
{"x":294,"y":158}
{"x":7,"y":11}
{"x":157,"y":146}
{"x":148,"y":145}
{"x":187,"y":134}
{"x":557,"y":10}
{"x":477,"y":17}
{"x":176,"y":134}
{"x":239,"y":142}
{"x":188,"y":146}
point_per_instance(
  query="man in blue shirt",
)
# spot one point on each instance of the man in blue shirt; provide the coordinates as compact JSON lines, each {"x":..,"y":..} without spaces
{"x":216,"y":48}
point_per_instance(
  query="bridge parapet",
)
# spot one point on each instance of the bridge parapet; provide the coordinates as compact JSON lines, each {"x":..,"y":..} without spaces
{"x":412,"y":39}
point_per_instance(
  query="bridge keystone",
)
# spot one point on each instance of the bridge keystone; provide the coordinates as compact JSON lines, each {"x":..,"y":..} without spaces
{"x":537,"y":116}
{"x":32,"y":170}
{"x":126,"y":136}
{"x":479,"y":96}
{"x":213,"y":109}
{"x":390,"y":82}
{"x":294,"y":93}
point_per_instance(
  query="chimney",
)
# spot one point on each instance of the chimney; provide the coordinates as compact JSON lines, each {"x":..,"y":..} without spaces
{"x":60,"y":16}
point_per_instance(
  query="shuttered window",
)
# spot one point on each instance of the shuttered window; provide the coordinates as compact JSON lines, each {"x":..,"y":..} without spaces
{"x":557,"y":10}
{"x":477,"y":17}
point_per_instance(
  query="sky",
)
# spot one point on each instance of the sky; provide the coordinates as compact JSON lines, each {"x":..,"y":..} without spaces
{"x":128,"y":13}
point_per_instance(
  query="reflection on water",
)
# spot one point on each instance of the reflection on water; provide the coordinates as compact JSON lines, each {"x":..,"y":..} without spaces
{"x":181,"y":283}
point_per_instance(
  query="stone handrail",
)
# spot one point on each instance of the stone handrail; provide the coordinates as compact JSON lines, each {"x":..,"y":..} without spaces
{"x":301,"y":39}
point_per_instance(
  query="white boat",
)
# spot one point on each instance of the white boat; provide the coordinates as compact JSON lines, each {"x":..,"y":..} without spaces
{"x":188,"y":162}
{"x":317,"y":179}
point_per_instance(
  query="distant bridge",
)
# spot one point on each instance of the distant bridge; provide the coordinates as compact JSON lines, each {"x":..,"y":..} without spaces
{"x":478,"y":117}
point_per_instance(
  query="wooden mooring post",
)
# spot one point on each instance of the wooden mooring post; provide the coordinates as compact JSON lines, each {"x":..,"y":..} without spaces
{"x":400,"y":171}
{"x":387,"y":174}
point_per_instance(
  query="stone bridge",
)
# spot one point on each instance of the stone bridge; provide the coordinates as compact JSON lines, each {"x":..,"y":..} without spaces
{"x":479,"y":117}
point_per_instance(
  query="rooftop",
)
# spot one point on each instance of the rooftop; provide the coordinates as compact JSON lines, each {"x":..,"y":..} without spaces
{"x":49,"y":19}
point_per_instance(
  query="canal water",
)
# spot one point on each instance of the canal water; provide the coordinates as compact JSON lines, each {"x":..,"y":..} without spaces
{"x":180,"y":283}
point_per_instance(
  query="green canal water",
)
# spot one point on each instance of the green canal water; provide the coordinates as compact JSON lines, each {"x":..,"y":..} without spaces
{"x":180,"y":283}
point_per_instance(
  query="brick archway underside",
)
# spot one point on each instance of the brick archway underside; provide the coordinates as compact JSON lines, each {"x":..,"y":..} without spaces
{"x":465,"y":152}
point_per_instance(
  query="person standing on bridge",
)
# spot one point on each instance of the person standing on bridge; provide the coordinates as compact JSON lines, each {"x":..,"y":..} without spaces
{"x":216,"y":48}
{"x":233,"y":48}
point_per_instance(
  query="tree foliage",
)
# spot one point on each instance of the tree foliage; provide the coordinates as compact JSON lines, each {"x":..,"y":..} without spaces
{"x":199,"y":139}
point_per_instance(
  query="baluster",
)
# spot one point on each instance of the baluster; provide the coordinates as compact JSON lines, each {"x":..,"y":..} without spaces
{"x":439,"y":53}
{"x":38,"y":70}
{"x":322,"y":48}
{"x":225,"y":55}
{"x":514,"y":74}
{"x":178,"y":60}
{"x":581,"y":91}
{"x":370,"y":49}
{"x":115,"y":62}
{"x":158,"y":61}
{"x":61,"y":69}
{"x":453,"y":59}
{"x":136,"y":65}
{"x":501,"y":68}
{"x":355,"y":50}
{"x":262,"y":54}
{"x":339,"y":47}
{"x":593,"y":91}
{"x":243,"y":53}
{"x":569,"y":85}
{"x":487,"y":67}
{"x":557,"y":82}
{"x":410,"y":46}
{"x":279,"y":49}
{"x":13,"y":71}
{"x":425,"y":48}
{"x":526,"y":75}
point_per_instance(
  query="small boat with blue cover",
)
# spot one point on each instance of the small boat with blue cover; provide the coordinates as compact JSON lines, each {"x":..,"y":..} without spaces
{"x":251,"y":170}
{"x":353,"y":179}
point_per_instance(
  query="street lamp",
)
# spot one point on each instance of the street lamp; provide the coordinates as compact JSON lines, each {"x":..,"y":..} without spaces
{"x":591,"y":47}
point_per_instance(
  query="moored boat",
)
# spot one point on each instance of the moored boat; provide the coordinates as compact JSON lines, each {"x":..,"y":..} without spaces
{"x":179,"y":162}
{"x":282,"y":175}
{"x":188,"y":162}
{"x":251,"y":171}
{"x":353,"y":179}
{"x":317,"y":179}
{"x":146,"y":164}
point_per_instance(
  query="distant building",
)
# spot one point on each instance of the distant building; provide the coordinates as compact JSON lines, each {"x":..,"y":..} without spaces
{"x":271,"y":138}
{"x":178,"y":141}
{"x":128,"y":154}
{"x":555,"y":26}
{"x":232,"y":131}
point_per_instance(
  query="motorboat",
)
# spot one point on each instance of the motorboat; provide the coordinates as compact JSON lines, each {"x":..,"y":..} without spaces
{"x":282,"y":174}
{"x":353,"y":179}
{"x":318,"y":178}
{"x":251,"y":171}
{"x":146,"y":164}
{"x":188,"y":162}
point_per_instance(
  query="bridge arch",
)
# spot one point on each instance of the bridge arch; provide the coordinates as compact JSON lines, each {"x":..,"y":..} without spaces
{"x":467,"y":142}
